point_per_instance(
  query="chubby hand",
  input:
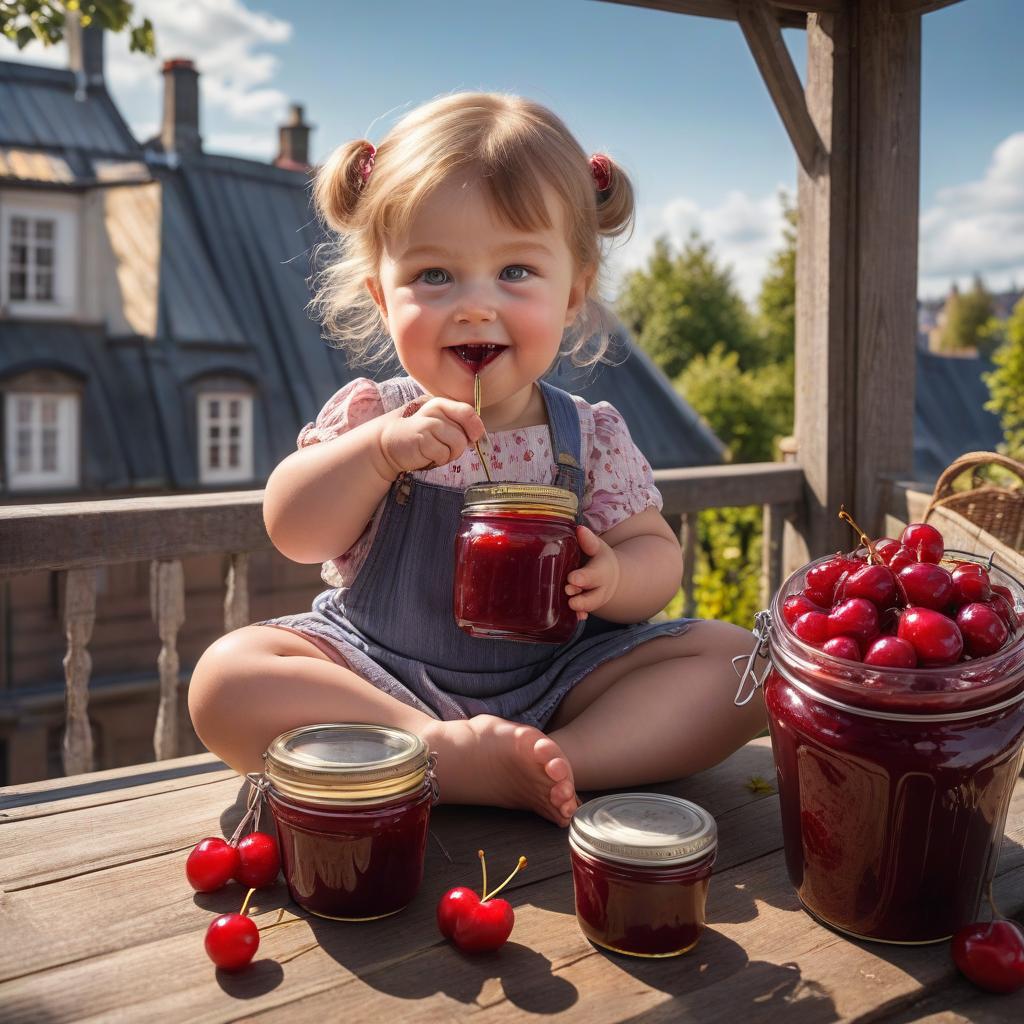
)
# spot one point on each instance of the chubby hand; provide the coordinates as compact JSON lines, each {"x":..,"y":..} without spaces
{"x":594,"y":584}
{"x":428,"y":432}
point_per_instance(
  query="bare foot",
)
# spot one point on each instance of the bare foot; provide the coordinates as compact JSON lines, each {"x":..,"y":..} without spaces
{"x":487,"y":760}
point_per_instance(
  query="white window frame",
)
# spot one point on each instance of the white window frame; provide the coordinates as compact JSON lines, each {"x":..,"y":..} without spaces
{"x":210,"y":436}
{"x":66,"y":472}
{"x":63,"y":212}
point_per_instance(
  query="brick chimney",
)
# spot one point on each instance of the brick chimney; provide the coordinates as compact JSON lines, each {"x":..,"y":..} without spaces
{"x":179,"y":132}
{"x":293,"y":141}
{"x":85,"y":49}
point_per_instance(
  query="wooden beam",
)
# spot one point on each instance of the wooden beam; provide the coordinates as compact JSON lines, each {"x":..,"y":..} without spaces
{"x":920,"y":6}
{"x":857,"y":268}
{"x":724,"y":9}
{"x":764,"y":37}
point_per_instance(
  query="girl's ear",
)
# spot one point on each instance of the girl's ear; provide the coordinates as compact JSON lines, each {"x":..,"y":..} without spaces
{"x":578,"y":294}
{"x":377,"y":294}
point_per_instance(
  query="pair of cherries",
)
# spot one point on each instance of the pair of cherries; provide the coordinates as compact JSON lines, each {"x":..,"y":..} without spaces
{"x":477,"y":924}
{"x":899,"y":608}
{"x":254,"y":861}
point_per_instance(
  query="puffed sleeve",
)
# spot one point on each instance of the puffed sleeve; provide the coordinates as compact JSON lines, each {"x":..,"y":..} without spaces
{"x":356,"y":403}
{"x":620,"y":482}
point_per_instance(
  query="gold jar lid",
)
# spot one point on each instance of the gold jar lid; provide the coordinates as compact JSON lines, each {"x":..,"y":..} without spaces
{"x":339,"y":763}
{"x":643,"y":829}
{"x":505,"y":497}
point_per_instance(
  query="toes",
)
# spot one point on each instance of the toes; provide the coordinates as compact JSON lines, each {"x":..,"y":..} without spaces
{"x":569,"y":808}
{"x":562,"y":793}
{"x":557,"y":769}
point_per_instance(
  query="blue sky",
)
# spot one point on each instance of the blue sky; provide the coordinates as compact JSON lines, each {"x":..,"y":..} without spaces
{"x":677,"y":100}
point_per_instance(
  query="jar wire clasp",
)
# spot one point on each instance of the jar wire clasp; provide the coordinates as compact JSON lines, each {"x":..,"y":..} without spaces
{"x":761,"y":630}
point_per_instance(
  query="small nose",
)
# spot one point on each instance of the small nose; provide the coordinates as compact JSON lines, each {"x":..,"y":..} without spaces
{"x":475,"y":309}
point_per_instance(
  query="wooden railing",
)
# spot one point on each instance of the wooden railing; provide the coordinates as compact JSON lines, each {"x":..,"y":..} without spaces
{"x":79,"y":537}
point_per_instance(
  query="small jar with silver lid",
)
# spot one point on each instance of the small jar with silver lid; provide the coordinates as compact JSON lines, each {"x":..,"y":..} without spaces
{"x":641,"y":865}
{"x":352,"y":807}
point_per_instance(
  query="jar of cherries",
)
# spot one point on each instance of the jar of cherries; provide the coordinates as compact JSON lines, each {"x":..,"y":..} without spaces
{"x":895,"y":699}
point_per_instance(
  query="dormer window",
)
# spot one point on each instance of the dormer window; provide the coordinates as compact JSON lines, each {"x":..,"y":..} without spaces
{"x":225,"y":437}
{"x":42,"y":451}
{"x":38,"y":256}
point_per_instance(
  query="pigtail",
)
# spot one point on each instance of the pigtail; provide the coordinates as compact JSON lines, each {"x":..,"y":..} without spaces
{"x":341,"y":181}
{"x":615,"y":202}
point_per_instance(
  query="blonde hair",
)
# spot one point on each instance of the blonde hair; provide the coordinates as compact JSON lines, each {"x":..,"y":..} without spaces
{"x":513,"y":147}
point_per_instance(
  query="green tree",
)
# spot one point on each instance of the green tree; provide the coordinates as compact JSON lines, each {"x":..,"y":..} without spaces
{"x":1006,"y":383}
{"x":682,"y":303}
{"x":776,"y":302}
{"x":965,"y":316}
{"x":22,"y":21}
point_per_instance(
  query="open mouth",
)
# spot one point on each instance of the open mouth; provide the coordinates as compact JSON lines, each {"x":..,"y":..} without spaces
{"x":477,"y":355}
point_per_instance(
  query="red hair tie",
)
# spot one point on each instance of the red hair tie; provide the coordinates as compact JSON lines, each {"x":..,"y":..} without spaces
{"x":601,"y":169}
{"x":366,"y":161}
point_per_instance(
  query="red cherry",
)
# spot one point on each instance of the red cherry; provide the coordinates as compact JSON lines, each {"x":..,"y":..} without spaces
{"x":970,"y":583}
{"x":1012,"y":619}
{"x":812,"y":628}
{"x":484,"y":927}
{"x":211,"y":865}
{"x":927,"y":585}
{"x":820,"y":584}
{"x":796,"y":605}
{"x":857,"y":617}
{"x":1004,"y":610}
{"x":935,"y":637}
{"x":232,"y":941}
{"x":901,"y":559}
{"x":452,"y":905}
{"x":886,"y":548}
{"x":991,"y":954}
{"x":876,"y":583}
{"x":842,"y":647}
{"x":983,"y":630}
{"x":259,"y":860}
{"x":924,"y":541}
{"x":891,"y":652}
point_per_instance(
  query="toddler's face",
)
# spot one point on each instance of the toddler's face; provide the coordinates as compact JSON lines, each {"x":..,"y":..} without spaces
{"x":461,"y":276}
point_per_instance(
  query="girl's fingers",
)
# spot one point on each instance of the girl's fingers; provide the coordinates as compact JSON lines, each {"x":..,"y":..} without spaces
{"x":434,"y":450}
{"x":463,"y":416}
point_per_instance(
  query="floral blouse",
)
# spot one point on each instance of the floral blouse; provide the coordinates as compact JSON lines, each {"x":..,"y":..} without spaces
{"x":619,"y":481}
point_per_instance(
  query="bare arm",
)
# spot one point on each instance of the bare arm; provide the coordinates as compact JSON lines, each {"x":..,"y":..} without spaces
{"x":319,"y":499}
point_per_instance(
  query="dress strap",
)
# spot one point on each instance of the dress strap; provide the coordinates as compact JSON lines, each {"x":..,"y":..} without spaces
{"x":564,"y":421}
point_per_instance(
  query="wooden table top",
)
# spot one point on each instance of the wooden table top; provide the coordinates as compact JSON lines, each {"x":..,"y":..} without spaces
{"x":97,"y":922}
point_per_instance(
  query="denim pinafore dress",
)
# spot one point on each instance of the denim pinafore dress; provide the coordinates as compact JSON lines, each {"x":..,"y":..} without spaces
{"x":395,"y":627}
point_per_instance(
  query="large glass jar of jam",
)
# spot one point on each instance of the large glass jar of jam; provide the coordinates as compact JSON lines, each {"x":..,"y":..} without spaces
{"x":641,"y":865}
{"x":894,"y":784}
{"x":352,"y":805}
{"x":514,"y":551}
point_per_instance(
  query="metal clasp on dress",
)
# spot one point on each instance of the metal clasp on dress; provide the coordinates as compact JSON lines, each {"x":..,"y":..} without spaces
{"x":762,"y":628}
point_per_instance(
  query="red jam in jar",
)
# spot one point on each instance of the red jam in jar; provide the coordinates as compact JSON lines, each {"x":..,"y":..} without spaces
{"x":352,"y":805}
{"x":514,"y":551}
{"x":894,"y":784}
{"x":641,"y":866}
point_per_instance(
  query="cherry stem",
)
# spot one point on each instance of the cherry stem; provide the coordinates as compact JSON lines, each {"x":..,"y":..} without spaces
{"x":515,"y":871}
{"x":483,"y":865}
{"x":992,"y":903}
{"x":248,"y":896}
{"x":873,"y":556}
{"x":255,"y":801}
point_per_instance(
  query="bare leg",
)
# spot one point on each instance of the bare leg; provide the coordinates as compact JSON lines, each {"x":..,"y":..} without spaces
{"x":260,"y":681}
{"x":661,"y":712}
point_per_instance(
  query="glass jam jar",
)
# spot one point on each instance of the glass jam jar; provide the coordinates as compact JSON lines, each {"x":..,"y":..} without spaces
{"x":894,"y":784}
{"x":352,"y":805}
{"x":515,"y":548}
{"x":641,"y":866}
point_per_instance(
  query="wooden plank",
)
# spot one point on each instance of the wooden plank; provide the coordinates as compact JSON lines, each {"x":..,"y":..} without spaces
{"x":764,"y":38}
{"x":754,"y":483}
{"x":787,"y":16}
{"x":920,"y":6}
{"x":81,"y":534}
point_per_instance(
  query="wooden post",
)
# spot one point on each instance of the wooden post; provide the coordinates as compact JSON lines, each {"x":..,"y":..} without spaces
{"x":857,"y":268}
{"x":167,"y":600}
{"x":79,"y":616}
{"x":236,"y":593}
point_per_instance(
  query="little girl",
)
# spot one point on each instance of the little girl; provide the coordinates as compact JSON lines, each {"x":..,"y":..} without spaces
{"x":472,"y":244}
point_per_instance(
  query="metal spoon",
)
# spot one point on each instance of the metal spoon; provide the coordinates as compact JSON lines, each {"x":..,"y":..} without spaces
{"x":476,"y":403}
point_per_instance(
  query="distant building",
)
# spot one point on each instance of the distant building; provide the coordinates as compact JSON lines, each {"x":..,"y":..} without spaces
{"x":153,"y":339}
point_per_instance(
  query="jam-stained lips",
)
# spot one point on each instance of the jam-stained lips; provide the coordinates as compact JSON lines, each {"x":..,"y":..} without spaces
{"x":477,"y":355}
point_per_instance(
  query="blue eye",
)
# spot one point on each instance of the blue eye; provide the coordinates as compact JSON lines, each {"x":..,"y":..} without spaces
{"x":430,"y":276}
{"x":521,"y":273}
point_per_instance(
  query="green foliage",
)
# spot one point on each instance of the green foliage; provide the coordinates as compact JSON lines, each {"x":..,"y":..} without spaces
{"x":682,"y":304}
{"x":23,"y":21}
{"x":776,"y":303}
{"x":1006,"y":383}
{"x":966,"y":315}
{"x":727,"y":576}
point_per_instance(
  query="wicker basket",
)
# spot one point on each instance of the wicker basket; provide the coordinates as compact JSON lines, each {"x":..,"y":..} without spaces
{"x":984,"y":517}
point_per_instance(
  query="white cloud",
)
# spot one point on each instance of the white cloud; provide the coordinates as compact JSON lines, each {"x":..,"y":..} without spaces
{"x":977,"y":227}
{"x":229,"y":44}
{"x":744,"y":230}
